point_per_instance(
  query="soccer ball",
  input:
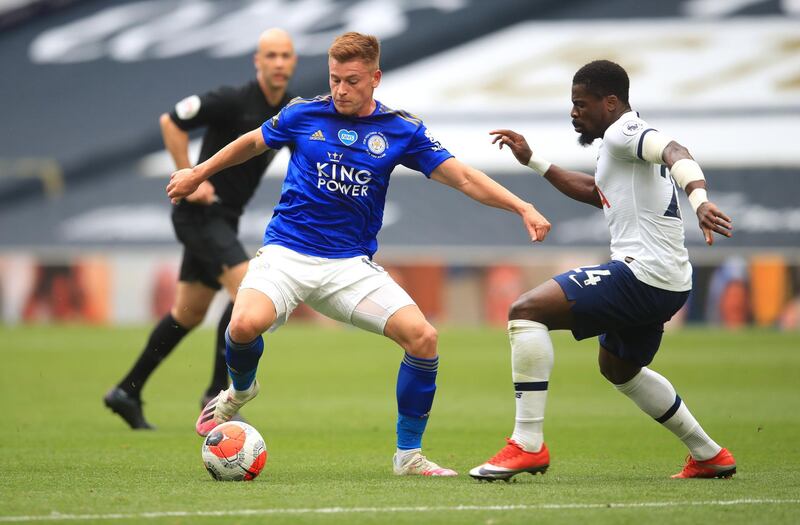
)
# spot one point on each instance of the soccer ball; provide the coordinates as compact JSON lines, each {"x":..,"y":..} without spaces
{"x":234,"y":451}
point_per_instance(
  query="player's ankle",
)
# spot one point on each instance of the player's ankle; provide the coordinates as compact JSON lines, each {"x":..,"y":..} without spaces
{"x":246,"y":393}
{"x":403,"y":455}
{"x":528,"y":443}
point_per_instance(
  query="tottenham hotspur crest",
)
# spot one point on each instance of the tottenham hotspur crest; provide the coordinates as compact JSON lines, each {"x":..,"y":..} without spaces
{"x":376,"y":144}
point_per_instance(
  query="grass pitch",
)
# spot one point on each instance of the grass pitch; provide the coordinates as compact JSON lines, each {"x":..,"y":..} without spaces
{"x":327,"y":413}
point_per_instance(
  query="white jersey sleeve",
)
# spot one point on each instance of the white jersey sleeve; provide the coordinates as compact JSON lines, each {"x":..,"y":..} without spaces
{"x":625,"y":140}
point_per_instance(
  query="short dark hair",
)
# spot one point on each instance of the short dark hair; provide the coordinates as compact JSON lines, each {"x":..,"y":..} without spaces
{"x":602,"y":78}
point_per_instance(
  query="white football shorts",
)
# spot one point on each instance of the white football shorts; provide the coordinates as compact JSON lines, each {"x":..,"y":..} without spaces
{"x":354,"y":290}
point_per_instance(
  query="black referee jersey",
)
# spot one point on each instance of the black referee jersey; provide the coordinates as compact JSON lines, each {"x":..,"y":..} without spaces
{"x":227,"y":113}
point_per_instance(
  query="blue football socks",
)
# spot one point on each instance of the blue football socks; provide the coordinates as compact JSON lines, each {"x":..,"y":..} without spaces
{"x":416,"y":386}
{"x":242,"y":360}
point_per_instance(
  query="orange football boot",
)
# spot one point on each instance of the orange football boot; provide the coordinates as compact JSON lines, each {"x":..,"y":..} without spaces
{"x":720,"y":466}
{"x":510,"y":461}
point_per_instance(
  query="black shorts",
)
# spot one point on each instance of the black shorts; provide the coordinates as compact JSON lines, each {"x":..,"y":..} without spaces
{"x":210,"y":242}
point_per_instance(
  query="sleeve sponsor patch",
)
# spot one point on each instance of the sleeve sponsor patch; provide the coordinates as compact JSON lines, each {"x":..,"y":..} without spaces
{"x":188,"y":108}
{"x":437,"y":146}
{"x":632,"y":127}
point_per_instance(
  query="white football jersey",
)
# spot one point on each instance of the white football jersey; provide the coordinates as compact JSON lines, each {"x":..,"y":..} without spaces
{"x":640,"y":203}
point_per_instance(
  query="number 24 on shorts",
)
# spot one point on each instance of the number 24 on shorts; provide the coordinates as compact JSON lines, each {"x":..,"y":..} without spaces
{"x":594,"y":276}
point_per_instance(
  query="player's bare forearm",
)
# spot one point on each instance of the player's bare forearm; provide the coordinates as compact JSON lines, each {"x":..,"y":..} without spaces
{"x":240,"y":150}
{"x":176,"y":141}
{"x":477,"y":185}
{"x":482,"y":188}
{"x":687,"y":174}
{"x":574,"y":184}
{"x":185,"y":182}
{"x":674,"y":152}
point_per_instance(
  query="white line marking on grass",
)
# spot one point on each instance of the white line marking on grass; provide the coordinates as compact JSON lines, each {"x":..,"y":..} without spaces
{"x":56,"y":516}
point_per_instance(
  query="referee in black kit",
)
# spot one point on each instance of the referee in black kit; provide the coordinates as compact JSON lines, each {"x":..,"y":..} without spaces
{"x":207,"y":222}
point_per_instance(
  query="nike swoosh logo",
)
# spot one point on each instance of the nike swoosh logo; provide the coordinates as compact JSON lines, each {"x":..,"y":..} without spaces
{"x":575,"y":280}
{"x":487,"y":472}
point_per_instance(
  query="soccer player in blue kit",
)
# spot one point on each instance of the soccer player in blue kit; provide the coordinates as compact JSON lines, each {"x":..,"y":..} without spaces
{"x":627,"y":301}
{"x":319,"y":244}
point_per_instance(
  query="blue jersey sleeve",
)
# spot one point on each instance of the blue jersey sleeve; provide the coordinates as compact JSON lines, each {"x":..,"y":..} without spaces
{"x":424,"y":153}
{"x":277,"y":131}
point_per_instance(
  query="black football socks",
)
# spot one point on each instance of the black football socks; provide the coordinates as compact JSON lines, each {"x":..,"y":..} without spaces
{"x":163,"y":339}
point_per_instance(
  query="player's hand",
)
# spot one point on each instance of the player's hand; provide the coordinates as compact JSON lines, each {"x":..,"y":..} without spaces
{"x":181,"y":184}
{"x":538,"y":227}
{"x":712,"y":220}
{"x":204,"y":194}
{"x":515,"y":142}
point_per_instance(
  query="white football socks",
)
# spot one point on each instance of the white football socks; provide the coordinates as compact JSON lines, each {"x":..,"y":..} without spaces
{"x":531,"y":364}
{"x":656,"y":396}
{"x":401,"y":457}
{"x":244,"y":395}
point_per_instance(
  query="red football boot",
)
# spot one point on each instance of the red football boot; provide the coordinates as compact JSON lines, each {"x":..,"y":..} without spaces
{"x":720,"y":466}
{"x":510,"y":461}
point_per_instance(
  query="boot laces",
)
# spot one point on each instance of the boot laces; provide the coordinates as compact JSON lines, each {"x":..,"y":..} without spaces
{"x":509,"y":451}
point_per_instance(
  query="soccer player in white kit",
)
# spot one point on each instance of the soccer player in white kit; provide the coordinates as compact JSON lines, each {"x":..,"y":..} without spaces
{"x":626,"y":301}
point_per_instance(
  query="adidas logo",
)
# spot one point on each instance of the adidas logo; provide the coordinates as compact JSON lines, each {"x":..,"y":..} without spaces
{"x":318,"y":135}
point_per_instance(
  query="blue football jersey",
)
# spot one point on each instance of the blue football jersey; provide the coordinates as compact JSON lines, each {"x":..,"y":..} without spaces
{"x":334,"y":192}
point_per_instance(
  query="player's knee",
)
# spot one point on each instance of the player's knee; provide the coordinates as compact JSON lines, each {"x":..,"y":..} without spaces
{"x":607,"y":372}
{"x":618,"y":373}
{"x":615,"y":377}
{"x":423,"y":341}
{"x":188,"y":317}
{"x":245,"y":328}
{"x":527,"y":306}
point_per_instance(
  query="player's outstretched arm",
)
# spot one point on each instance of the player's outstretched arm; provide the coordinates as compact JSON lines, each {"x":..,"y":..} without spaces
{"x":687,"y":173}
{"x":184,"y":182}
{"x":176,"y":141}
{"x":479,"y":186}
{"x":573,"y":184}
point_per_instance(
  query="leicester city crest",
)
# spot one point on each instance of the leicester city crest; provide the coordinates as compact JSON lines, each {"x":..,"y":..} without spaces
{"x":376,"y":144}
